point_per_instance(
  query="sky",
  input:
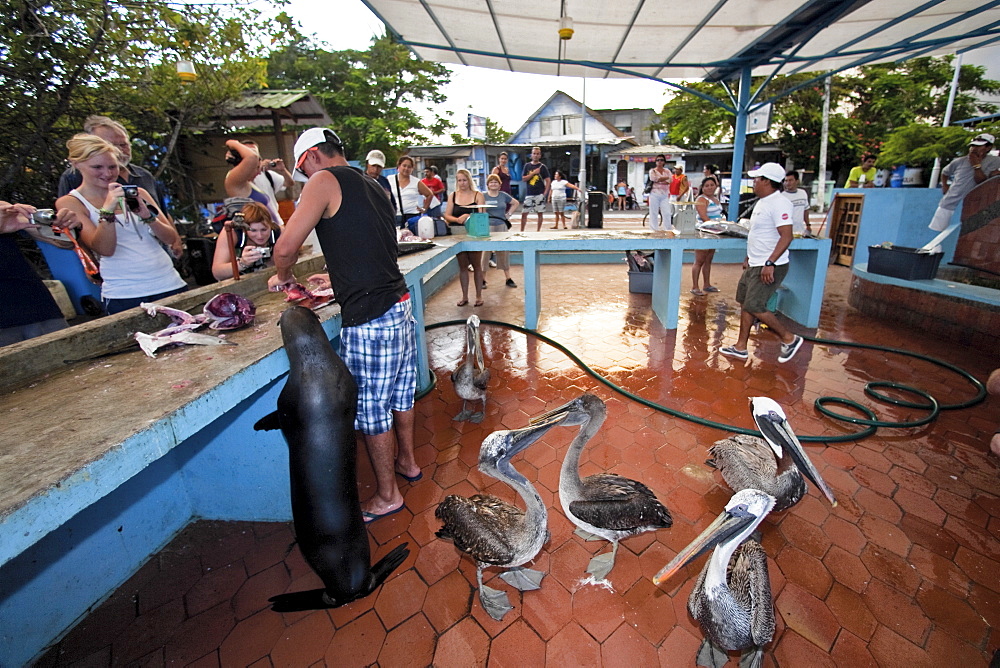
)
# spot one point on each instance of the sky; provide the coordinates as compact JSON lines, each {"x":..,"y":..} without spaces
{"x":520,"y":94}
{"x":475,"y":90}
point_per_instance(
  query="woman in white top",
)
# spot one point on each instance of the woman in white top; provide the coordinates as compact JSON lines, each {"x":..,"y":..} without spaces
{"x":412,"y":195}
{"x":126,"y":233}
{"x":709,"y":208}
{"x":557,"y":195}
{"x":659,"y":196}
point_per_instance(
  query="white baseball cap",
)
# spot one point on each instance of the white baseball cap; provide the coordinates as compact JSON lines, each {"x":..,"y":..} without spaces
{"x":982,"y":140}
{"x":769,"y":170}
{"x":307,"y":140}
{"x":375,"y":157}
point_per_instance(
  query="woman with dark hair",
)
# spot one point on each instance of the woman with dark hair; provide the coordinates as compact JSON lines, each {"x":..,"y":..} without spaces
{"x":659,"y":195}
{"x":709,"y":208}
{"x":503,"y":171}
{"x":254,"y":244}
{"x":412,"y":195}
{"x":558,"y":197}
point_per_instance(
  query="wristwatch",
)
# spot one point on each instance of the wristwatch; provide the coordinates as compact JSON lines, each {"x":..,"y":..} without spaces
{"x":768,"y":263}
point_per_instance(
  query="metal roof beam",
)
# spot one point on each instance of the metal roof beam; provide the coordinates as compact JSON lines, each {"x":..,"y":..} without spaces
{"x":708,"y":17}
{"x":819,"y":13}
{"x":628,"y":29}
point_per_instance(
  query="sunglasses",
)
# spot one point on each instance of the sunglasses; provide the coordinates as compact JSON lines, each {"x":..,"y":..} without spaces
{"x":302,"y":159}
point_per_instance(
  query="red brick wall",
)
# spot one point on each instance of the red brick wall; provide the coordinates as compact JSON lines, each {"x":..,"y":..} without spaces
{"x":964,"y":321}
{"x":979,"y":243}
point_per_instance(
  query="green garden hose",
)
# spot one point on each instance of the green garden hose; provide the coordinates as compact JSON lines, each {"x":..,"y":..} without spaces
{"x":870,"y":423}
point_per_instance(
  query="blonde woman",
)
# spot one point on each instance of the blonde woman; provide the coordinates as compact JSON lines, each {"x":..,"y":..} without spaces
{"x":125,"y":231}
{"x":464,"y":201}
{"x":253,"y":244}
{"x":499,"y":205}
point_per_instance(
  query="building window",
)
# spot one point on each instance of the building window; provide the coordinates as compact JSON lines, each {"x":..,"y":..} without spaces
{"x":555,"y":126}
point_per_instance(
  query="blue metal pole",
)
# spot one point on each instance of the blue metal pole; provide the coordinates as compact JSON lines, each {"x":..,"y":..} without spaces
{"x":739,"y":139}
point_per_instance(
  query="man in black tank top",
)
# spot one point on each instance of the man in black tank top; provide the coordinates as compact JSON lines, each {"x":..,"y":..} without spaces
{"x":355,"y":224}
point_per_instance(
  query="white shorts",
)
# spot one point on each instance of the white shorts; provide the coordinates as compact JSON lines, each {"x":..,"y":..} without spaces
{"x":534,"y":204}
{"x":558,"y":203}
{"x":941,"y":220}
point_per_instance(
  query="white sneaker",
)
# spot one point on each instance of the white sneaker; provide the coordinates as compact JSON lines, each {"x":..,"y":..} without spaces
{"x":788,"y":350}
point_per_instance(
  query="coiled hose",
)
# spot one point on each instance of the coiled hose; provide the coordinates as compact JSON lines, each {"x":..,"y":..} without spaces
{"x":870,"y":422}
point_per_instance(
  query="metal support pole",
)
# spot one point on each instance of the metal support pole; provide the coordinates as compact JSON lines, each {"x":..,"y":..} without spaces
{"x":824,"y":142}
{"x":936,"y":171}
{"x":739,"y":140}
{"x":581,"y":195}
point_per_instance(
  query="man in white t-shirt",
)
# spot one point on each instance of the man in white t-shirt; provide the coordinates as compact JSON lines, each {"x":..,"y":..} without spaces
{"x":962,"y":175}
{"x":800,"y":204}
{"x":766,"y":264}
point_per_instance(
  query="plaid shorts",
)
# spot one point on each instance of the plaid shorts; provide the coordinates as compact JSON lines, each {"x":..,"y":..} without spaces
{"x":382,"y":357}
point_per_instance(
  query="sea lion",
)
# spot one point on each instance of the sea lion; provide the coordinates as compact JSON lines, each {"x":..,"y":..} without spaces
{"x":316,"y":411}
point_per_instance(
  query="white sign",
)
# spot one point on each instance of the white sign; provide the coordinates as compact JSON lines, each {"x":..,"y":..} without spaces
{"x":477,"y":127}
{"x":759,"y":120}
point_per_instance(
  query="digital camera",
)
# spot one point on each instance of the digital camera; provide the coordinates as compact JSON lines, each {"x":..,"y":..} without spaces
{"x":131,"y":197}
{"x":43,"y":217}
{"x":265,"y":253}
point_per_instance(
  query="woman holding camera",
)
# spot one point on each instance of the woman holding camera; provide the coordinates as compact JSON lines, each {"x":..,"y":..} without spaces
{"x":255,"y":239}
{"x":123,"y":227}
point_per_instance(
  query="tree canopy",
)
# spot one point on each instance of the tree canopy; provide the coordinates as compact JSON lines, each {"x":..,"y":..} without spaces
{"x":67,"y":59}
{"x":369,"y":94}
{"x":866,"y":105}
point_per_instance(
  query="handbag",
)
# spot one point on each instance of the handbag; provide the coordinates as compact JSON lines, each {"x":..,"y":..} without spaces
{"x":648,"y":188}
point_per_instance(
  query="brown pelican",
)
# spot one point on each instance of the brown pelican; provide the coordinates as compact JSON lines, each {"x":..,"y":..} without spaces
{"x":604,"y":505}
{"x":496,"y":533}
{"x":472,"y":376}
{"x":775,"y":467}
{"x":732,"y":598}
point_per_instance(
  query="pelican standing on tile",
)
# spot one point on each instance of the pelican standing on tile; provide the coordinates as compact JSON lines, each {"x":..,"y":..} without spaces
{"x":605,"y":505}
{"x":775,"y":465}
{"x":494,"y":532}
{"x":471,"y":377}
{"x":732,"y":598}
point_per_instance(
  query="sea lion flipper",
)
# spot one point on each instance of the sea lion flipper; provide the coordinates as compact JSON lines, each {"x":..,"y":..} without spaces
{"x":269,"y":422}
{"x":386,"y":565}
{"x":314,"y":599}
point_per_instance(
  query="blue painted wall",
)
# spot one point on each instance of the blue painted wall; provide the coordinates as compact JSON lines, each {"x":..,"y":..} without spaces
{"x":225,"y":471}
{"x":900,"y":216}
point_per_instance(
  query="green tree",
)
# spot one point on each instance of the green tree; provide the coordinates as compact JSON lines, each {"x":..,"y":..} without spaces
{"x":918,"y":145}
{"x":370,"y":94}
{"x":866,"y":105}
{"x":67,"y":59}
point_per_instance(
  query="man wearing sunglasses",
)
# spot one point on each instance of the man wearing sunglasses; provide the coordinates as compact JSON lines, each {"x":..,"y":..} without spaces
{"x":355,"y":224}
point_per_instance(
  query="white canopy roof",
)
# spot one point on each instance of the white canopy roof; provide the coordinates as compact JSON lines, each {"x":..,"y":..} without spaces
{"x":702,"y":40}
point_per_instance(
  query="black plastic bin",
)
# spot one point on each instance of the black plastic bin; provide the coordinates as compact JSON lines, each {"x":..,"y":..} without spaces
{"x":595,"y":208}
{"x":903,"y":262}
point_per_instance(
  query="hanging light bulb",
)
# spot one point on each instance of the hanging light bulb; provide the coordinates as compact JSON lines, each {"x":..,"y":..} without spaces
{"x":185,"y":71}
{"x":566,"y":27}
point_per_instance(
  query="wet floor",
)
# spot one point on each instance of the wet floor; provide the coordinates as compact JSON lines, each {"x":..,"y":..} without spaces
{"x":905,"y":571}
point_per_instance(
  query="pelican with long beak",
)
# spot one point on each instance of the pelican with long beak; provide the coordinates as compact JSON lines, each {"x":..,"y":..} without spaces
{"x":605,"y":505}
{"x":775,"y":465}
{"x":494,"y":532}
{"x":471,"y":377}
{"x":732,"y":598}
